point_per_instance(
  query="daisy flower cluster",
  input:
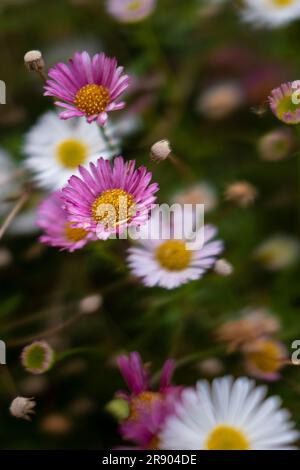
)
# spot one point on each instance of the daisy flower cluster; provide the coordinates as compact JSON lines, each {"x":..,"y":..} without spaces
{"x":89,"y":193}
{"x":229,"y":414}
{"x":71,"y":157}
{"x":252,"y":336}
{"x":98,"y":195}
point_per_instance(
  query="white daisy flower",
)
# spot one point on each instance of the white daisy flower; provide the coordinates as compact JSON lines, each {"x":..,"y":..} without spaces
{"x":55,"y":148}
{"x":164,"y":257}
{"x":229,"y":415}
{"x":271,"y":13}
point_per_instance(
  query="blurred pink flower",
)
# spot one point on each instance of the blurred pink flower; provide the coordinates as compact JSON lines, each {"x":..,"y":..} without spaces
{"x":87,"y":86}
{"x":58,"y":231}
{"x":282,"y":103}
{"x":148,"y":408}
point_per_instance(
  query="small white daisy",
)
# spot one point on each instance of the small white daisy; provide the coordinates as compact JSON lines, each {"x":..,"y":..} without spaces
{"x":55,"y":148}
{"x":165,"y":260}
{"x":271,"y":13}
{"x":229,"y":415}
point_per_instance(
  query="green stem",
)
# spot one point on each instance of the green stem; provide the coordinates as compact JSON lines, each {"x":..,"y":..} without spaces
{"x":113,"y":149}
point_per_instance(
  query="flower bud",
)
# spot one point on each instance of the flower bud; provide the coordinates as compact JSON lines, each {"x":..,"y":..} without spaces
{"x":160,"y":151}
{"x":34,"y":61}
{"x":22,"y":407}
{"x":37,"y":357}
{"x":223,"y":267}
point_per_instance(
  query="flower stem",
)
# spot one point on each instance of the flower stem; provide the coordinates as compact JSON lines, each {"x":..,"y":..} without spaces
{"x":49,"y":332}
{"x":184,"y":170}
{"x":14,"y":212}
{"x":108,"y":140}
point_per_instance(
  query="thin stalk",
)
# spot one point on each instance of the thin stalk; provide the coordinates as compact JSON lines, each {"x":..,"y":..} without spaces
{"x":14,"y":212}
{"x":108,"y":140}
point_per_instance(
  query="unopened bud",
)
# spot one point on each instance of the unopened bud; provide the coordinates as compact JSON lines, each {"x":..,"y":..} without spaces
{"x":223,"y":267}
{"x":90,"y":304}
{"x":160,"y":150}
{"x":34,"y":60}
{"x":118,"y":408}
{"x":22,"y":407}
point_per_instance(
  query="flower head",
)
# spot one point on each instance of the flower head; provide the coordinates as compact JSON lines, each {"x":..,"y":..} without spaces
{"x":37,"y":357}
{"x":276,"y":145}
{"x":87,"y":86}
{"x":278,"y":252}
{"x":22,"y":407}
{"x":160,"y":151}
{"x":220,"y":100}
{"x":229,"y":415}
{"x":264,"y":358}
{"x":241,"y":192}
{"x":108,"y":199}
{"x":270,"y":13}
{"x":253,"y":325}
{"x":165,"y":260}
{"x":56,"y":148}
{"x":284,"y":103}
{"x":34,"y":61}
{"x":148,"y":409}
{"x":58,"y":231}
{"x":200,"y":193}
{"x":130,"y":11}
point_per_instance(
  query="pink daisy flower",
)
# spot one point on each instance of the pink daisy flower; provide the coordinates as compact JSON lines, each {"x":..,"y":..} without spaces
{"x":58,"y":230}
{"x":161,"y":259}
{"x":148,"y":409}
{"x":108,"y":199}
{"x":87,"y":86}
{"x":285,"y":103}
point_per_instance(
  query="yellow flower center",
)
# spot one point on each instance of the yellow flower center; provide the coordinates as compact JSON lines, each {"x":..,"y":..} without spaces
{"x":173,"y":255}
{"x":283,"y":3}
{"x":71,"y":153}
{"x":268,"y":357}
{"x":143,"y":402}
{"x":113,"y":207}
{"x":92,"y":99}
{"x":227,"y":438}
{"x":135,"y":5}
{"x":74,"y":234}
{"x":285,"y":105}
